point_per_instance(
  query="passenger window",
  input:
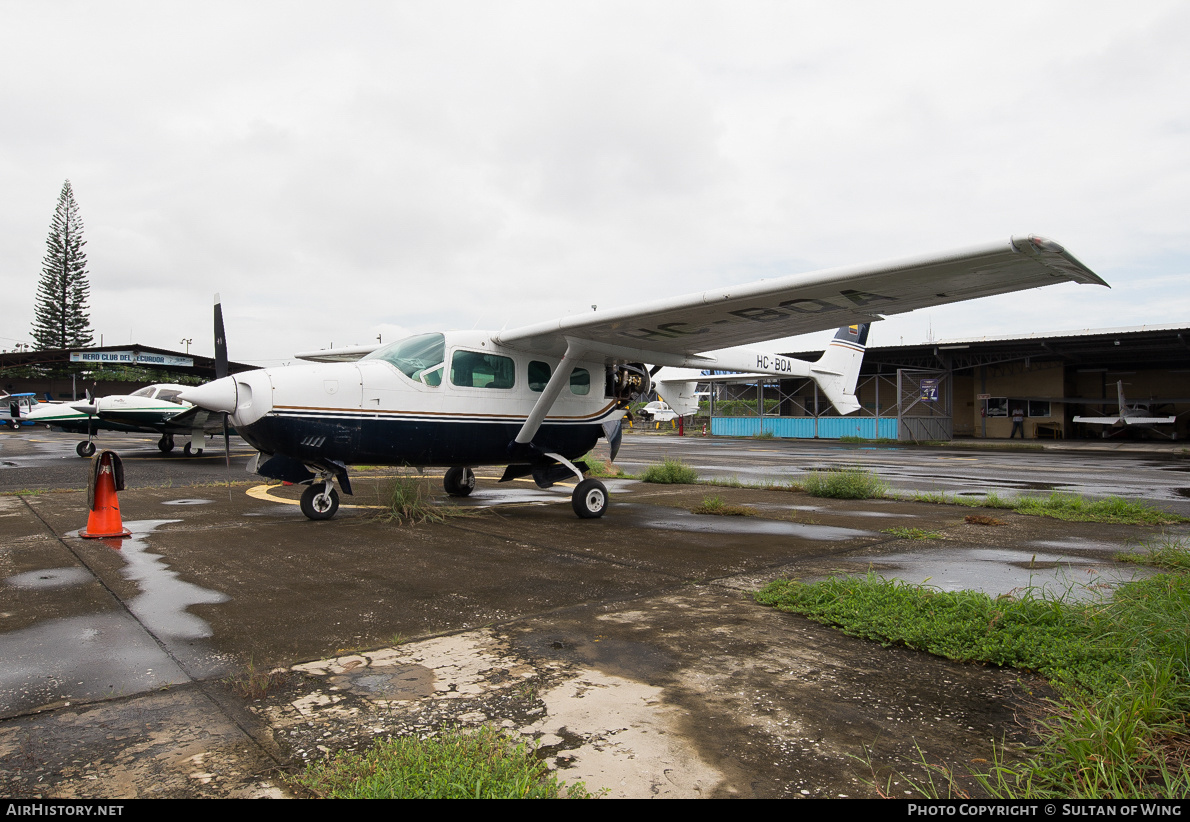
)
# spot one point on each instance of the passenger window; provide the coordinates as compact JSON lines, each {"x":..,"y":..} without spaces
{"x":539,"y":375}
{"x":580,"y":382}
{"x":471,"y":369}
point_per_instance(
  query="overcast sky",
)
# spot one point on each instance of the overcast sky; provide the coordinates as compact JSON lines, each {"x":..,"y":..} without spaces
{"x":347,"y":170}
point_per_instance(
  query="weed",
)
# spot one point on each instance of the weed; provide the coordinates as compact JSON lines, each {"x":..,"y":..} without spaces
{"x":455,"y":764}
{"x":982,"y":519}
{"x":912,"y":533}
{"x":715,"y":505}
{"x":670,"y":472}
{"x":844,"y":483}
{"x":409,"y":500}
{"x":255,"y":683}
{"x":764,"y":435}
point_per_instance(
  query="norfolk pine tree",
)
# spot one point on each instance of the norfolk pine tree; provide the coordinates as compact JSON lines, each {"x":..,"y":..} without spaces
{"x":60,"y":318}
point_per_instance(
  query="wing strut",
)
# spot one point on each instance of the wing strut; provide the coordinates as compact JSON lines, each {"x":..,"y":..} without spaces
{"x":522,"y":446}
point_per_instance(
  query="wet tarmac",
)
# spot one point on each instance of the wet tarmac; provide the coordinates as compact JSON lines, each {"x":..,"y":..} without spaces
{"x":628,"y":647}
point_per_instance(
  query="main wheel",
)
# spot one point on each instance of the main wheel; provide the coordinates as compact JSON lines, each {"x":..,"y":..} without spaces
{"x":319,"y":502}
{"x":459,"y":482}
{"x":589,"y":499}
{"x":190,"y":452}
{"x":14,"y":425}
{"x":85,"y":448}
{"x":165,"y":444}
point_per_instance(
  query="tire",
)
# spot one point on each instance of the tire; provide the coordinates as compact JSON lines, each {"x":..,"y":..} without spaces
{"x":459,"y":482}
{"x":188,"y":451}
{"x":165,"y":444}
{"x":589,"y":499}
{"x":14,"y":425}
{"x":317,"y":504}
{"x":85,"y":449}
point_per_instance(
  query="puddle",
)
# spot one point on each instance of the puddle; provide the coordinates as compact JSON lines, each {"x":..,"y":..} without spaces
{"x":84,"y":658}
{"x":187,"y":502}
{"x":674,"y":520}
{"x":163,"y":600}
{"x":996,"y":571}
{"x":50,"y":578}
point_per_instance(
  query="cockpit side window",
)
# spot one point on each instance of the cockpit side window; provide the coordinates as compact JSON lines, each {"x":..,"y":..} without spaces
{"x":169,"y":395}
{"x":419,"y":357}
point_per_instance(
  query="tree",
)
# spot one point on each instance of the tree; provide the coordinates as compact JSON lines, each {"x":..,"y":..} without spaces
{"x":60,"y":318}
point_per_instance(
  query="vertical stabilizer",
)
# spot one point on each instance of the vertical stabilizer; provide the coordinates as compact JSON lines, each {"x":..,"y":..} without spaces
{"x":680,"y":395}
{"x":837,"y":370}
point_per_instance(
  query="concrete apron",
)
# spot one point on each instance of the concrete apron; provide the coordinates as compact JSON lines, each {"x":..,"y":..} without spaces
{"x":628,"y":648}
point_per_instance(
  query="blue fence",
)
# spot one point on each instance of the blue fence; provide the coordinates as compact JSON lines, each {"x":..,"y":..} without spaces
{"x":828,"y":428}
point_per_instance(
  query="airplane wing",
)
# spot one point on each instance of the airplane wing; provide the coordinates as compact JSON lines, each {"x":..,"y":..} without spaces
{"x":1098,"y":420}
{"x":349,"y":353}
{"x":664,"y":331}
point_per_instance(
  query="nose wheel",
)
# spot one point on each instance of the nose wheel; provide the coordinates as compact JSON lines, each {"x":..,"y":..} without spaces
{"x":320,"y":501}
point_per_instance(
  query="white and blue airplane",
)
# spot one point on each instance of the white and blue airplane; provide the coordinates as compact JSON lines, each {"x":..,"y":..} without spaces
{"x":536,"y":398}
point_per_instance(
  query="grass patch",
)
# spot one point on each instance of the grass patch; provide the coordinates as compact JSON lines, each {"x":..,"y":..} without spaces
{"x":764,"y":435}
{"x":912,"y":533}
{"x":864,"y":441}
{"x":716,"y":506}
{"x":1172,"y":553}
{"x":409,"y":500}
{"x":1069,"y":507}
{"x":844,"y":483}
{"x":1122,"y":668}
{"x":670,"y":472}
{"x":1109,"y":509}
{"x":455,"y":764}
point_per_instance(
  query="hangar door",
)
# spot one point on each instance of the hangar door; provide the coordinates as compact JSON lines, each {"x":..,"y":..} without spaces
{"x":924,"y":405}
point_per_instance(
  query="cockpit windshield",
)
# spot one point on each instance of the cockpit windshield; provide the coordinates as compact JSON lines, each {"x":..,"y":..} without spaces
{"x":419,"y":357}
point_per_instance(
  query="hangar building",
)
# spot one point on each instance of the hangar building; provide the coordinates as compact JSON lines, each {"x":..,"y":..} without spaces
{"x":971,"y":387}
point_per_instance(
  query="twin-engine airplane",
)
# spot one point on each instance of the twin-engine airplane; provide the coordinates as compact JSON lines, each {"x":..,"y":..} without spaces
{"x":154,"y":409}
{"x":537,"y":398}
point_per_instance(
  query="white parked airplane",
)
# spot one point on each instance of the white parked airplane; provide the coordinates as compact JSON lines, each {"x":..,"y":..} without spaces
{"x":538,"y":397}
{"x":1136,"y":415}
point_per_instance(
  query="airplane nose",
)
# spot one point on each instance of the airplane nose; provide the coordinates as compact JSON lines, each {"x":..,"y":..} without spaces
{"x":219,"y":395}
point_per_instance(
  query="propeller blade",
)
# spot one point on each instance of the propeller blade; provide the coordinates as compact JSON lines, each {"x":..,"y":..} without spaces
{"x":220,"y":343}
{"x":227,"y":454}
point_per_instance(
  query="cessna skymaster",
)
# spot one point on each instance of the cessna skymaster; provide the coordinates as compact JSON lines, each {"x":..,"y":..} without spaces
{"x":536,"y":398}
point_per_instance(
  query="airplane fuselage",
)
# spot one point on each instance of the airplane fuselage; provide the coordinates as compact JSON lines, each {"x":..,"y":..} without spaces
{"x":457,"y":400}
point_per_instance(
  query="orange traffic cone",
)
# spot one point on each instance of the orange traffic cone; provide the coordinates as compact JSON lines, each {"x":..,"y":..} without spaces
{"x":107,"y":477}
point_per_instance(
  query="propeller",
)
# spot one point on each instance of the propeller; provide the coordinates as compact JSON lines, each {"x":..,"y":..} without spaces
{"x":220,"y":373}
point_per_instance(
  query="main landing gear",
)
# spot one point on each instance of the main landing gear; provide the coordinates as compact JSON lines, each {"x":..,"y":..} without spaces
{"x":459,"y":482}
{"x":85,"y":448}
{"x":589,"y":499}
{"x":165,"y":444}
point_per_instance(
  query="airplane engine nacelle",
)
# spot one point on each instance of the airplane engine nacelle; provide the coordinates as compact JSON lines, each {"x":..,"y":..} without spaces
{"x":628,"y":382}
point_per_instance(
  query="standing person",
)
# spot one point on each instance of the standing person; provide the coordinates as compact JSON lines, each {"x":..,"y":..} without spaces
{"x":1018,"y":422}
